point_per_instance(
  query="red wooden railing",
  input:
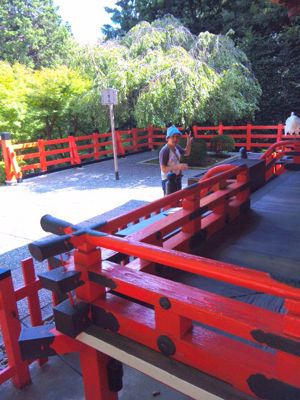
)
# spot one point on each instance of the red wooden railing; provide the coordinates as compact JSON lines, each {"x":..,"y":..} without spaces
{"x":43,"y":155}
{"x":274,"y":157}
{"x":249,"y":136}
{"x":253,"y":349}
{"x":10,"y":326}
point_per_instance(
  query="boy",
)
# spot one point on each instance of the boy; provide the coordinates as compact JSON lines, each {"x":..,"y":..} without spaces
{"x":169,"y":160}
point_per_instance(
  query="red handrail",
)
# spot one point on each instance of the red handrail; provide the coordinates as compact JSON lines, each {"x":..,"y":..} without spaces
{"x":25,"y":158}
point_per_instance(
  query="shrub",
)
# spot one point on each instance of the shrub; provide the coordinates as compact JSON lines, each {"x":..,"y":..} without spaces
{"x":198,"y":152}
{"x":2,"y":173}
{"x":222,"y":143}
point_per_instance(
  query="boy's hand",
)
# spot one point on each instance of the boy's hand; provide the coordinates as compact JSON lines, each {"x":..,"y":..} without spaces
{"x":183,"y":166}
{"x":189,"y":138}
{"x":179,"y":167}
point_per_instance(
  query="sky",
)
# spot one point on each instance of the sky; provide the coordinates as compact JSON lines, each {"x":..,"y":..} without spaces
{"x":85,"y":17}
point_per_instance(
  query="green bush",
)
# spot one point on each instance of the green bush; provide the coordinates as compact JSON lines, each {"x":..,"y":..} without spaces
{"x":222,"y":143}
{"x":2,"y":173}
{"x":198,"y":154}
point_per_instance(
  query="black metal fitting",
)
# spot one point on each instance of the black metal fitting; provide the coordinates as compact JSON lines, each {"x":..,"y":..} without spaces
{"x":104,"y":319}
{"x":166,"y":346}
{"x":272,"y":389}
{"x":60,"y":281}
{"x":35,"y":342}
{"x":71,"y":319}
{"x":101,"y":280}
{"x":165,"y":303}
{"x":115,"y":375}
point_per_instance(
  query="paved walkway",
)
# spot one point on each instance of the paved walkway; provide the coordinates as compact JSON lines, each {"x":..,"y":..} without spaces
{"x":76,"y":195}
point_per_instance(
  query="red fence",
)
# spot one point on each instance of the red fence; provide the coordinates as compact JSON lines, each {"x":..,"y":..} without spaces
{"x":43,"y":155}
{"x":10,"y":326}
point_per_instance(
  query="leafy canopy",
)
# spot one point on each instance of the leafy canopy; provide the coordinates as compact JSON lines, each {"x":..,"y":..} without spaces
{"x":32,"y":33}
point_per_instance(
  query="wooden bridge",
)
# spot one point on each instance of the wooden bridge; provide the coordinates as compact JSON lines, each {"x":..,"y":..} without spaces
{"x":199,"y":289}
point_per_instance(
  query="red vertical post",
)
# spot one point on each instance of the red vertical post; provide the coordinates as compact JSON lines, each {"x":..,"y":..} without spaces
{"x":41,"y":147}
{"x":150,"y":136}
{"x":5,"y":137}
{"x":12,"y":170}
{"x":88,"y":258}
{"x":248,"y":137}
{"x":195,"y":131}
{"x":34,"y":306}
{"x":95,"y":146}
{"x":93,"y":363}
{"x":119,"y":144}
{"x":134,"y":139}
{"x":220,"y":128}
{"x":94,"y":375}
{"x":192,"y":203}
{"x":279,"y":131}
{"x":11,"y":328}
{"x":73,"y":151}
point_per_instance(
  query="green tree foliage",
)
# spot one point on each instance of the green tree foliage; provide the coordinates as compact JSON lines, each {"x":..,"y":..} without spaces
{"x":162,"y":73}
{"x":47,"y":102}
{"x":261,"y":29}
{"x":14,"y":84}
{"x":55,"y":99}
{"x":107,"y":66}
{"x":32,"y":33}
{"x":182,"y":78}
{"x":125,"y":15}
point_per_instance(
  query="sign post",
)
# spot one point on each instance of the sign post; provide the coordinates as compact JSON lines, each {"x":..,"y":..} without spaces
{"x":110,"y":97}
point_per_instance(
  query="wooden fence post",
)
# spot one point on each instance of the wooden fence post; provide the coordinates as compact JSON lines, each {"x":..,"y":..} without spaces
{"x":134,"y":139}
{"x":279,"y":131}
{"x":150,"y":136}
{"x":120,"y":148}
{"x":10,"y":326}
{"x":41,"y":147}
{"x":12,"y":170}
{"x":248,"y":137}
{"x":34,"y":306}
{"x":75,"y":159}
{"x":95,"y":145}
{"x":220,"y":128}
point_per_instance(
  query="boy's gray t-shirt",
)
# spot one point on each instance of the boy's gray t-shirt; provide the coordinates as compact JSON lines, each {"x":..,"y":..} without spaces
{"x":168,"y":158}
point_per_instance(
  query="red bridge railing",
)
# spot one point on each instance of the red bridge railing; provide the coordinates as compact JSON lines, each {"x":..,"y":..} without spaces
{"x":253,"y":349}
{"x":278,"y":154}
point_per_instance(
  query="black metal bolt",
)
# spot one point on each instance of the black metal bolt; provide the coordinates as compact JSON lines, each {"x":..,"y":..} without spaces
{"x":165,"y":303}
{"x":166,"y":346}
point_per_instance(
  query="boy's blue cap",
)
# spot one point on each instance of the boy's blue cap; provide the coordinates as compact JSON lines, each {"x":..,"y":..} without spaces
{"x":172,"y":130}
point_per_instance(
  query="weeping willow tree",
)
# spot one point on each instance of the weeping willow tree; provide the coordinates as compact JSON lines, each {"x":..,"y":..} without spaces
{"x":183,"y":78}
{"x":165,"y":73}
